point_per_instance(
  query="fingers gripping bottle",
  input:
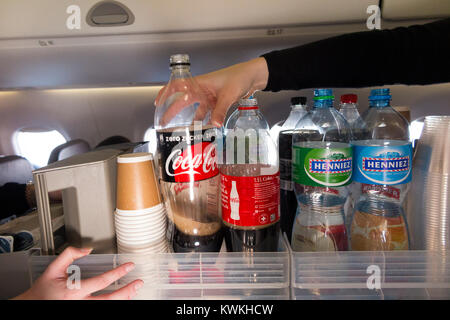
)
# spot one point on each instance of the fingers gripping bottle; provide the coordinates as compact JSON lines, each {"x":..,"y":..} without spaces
{"x":189,"y":174}
{"x":382,"y":172}
{"x":250,"y":182}
{"x":322,"y":172}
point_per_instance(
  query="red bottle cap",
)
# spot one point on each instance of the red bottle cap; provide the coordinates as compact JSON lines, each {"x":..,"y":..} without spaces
{"x":349,"y":98}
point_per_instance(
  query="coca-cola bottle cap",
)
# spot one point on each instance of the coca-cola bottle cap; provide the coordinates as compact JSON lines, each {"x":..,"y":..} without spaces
{"x":179,"y":59}
{"x":249,"y":102}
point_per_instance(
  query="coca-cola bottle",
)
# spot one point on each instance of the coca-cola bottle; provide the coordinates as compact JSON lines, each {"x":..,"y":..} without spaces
{"x":288,"y":199}
{"x":187,"y":158}
{"x":250,"y":182}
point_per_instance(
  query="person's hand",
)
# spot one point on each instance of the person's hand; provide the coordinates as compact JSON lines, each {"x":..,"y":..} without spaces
{"x":222,"y":88}
{"x":52,"y":284}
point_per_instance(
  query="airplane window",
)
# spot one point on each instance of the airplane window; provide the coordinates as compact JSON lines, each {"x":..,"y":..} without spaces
{"x":150,"y":136}
{"x":37,"y":144}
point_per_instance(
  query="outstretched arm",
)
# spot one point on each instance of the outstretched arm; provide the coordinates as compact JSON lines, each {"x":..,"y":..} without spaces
{"x":417,"y":54}
{"x":407,"y":55}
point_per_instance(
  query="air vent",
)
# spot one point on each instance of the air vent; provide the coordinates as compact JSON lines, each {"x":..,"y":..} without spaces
{"x":109,"y":14}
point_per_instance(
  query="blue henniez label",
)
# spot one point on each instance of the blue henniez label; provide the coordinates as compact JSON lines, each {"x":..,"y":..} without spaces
{"x":384,"y":165}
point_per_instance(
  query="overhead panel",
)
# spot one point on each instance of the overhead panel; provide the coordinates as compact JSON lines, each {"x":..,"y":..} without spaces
{"x":415,"y":9}
{"x":129,"y":41}
{"x":50,"y":18}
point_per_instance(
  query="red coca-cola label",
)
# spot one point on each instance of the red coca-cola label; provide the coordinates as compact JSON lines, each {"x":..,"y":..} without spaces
{"x":250,"y":201}
{"x":186,"y":158}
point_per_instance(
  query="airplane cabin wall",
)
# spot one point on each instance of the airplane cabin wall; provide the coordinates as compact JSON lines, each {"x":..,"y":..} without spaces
{"x":95,"y":114}
{"x":89,"y":114}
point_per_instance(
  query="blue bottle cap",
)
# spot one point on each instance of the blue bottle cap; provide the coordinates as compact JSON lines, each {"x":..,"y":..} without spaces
{"x":380,"y":94}
{"x":323,"y":94}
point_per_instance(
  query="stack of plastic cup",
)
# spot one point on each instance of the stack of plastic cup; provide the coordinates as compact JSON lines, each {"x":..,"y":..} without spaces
{"x":140,"y":217}
{"x":428,"y":210}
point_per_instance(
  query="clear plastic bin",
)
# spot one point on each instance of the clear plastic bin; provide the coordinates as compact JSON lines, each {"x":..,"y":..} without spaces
{"x":196,"y":276}
{"x":392,"y":275}
{"x":314,"y":275}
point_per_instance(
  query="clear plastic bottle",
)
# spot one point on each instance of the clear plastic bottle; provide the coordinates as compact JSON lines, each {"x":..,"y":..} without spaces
{"x":247,"y":116}
{"x":288,"y":200}
{"x":382,"y":172}
{"x":322,"y":171}
{"x":348,"y":108}
{"x":189,"y":173}
{"x":298,"y":110}
{"x":250,"y":182}
{"x":275,"y":131}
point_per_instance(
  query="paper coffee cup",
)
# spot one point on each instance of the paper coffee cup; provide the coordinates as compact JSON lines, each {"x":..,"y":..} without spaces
{"x":137,"y":187}
{"x":141,"y":243}
{"x":153,"y":234}
{"x":147,"y":248}
{"x":142,"y":212}
{"x":134,"y":223}
{"x":133,"y":233}
{"x":133,"y":219}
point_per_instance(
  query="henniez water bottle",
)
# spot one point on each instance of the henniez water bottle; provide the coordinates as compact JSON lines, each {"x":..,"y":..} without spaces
{"x":288,"y":200}
{"x":381,"y":175}
{"x":348,"y":108}
{"x":189,"y":173}
{"x":322,"y":172}
{"x":250,"y":182}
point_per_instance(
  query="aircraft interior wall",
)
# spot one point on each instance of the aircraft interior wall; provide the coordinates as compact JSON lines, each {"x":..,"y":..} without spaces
{"x":94,"y":114}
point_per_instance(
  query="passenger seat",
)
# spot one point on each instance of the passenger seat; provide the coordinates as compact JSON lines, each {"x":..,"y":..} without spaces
{"x":15,"y":169}
{"x":68,"y":150}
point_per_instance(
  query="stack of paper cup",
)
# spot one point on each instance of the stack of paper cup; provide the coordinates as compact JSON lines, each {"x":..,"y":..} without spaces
{"x":140,"y":217}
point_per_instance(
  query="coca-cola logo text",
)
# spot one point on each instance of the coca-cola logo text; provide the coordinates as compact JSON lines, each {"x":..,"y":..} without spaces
{"x":197,"y":161}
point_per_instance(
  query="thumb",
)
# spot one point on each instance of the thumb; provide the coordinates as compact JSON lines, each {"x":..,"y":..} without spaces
{"x":224,"y":102}
{"x":59,"y":266}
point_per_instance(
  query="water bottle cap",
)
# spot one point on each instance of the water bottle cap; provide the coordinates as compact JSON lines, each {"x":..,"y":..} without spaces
{"x":179,"y":59}
{"x":380,"y":94}
{"x":298,"y":100}
{"x":249,"y":102}
{"x":323,"y":94}
{"x":349,"y":98}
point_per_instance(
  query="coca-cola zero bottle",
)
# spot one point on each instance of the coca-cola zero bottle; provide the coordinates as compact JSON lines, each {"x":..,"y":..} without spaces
{"x":187,"y":158}
{"x":288,"y":199}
